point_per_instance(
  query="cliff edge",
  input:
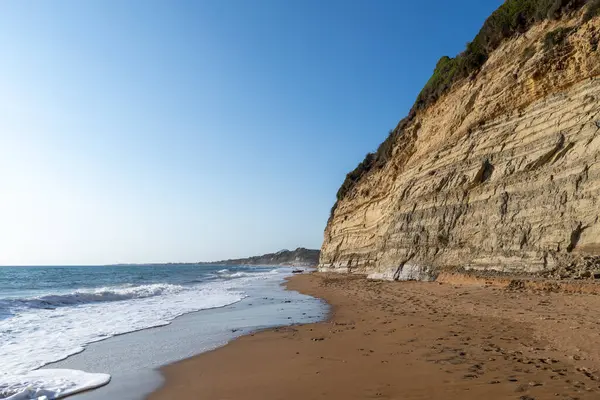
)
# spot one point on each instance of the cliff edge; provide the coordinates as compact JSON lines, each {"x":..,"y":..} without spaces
{"x":496,"y":166}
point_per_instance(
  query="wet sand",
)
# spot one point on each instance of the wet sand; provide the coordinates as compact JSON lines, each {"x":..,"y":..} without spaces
{"x":409,"y":340}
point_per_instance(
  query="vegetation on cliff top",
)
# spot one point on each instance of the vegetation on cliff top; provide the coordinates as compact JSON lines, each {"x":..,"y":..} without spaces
{"x":511,"y":18}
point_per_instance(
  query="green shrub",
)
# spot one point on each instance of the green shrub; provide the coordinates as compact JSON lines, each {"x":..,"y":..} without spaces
{"x":511,"y":18}
{"x":593,"y":10}
{"x":355,"y":175}
{"x":373,"y":160}
{"x":556,"y":37}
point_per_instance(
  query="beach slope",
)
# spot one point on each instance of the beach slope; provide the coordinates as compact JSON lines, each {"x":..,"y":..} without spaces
{"x":409,"y":340}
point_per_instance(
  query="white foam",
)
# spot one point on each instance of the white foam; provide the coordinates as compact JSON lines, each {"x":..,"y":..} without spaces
{"x":49,"y":328}
{"x":45,"y":329}
{"x":34,"y":337}
{"x":239,"y":274}
{"x":253,"y":275}
{"x":95,"y":295}
{"x":47,"y":384}
{"x":60,"y":332}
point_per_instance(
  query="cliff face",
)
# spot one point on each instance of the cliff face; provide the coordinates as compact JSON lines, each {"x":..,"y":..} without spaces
{"x":499,"y":173}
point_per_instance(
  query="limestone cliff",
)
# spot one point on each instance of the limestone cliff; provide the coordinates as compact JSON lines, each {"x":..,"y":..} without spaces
{"x":500,"y":172}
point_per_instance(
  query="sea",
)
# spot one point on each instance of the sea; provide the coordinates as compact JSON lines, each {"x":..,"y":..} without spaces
{"x":69,"y":329}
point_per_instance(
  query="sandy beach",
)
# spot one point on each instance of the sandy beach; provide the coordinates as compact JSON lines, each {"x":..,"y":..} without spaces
{"x":409,"y":340}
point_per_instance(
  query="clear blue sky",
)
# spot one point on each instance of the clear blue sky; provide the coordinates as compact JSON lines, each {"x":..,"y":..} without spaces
{"x":156,"y":131}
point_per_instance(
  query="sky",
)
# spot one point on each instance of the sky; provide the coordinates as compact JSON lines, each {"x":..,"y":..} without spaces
{"x":183,"y":131}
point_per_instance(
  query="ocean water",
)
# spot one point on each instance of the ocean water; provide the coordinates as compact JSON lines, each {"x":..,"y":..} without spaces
{"x":48,"y":314}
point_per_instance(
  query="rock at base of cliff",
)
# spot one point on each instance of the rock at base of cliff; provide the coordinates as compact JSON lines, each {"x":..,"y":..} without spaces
{"x":406,"y":272}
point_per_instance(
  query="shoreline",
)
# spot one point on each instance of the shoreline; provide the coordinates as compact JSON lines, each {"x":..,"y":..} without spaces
{"x":409,"y":340}
{"x":133,"y":359}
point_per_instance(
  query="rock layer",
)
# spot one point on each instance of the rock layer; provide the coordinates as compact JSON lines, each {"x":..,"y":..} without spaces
{"x":500,"y":173}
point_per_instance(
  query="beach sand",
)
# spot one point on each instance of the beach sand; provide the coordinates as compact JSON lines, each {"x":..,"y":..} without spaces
{"x":408,"y":340}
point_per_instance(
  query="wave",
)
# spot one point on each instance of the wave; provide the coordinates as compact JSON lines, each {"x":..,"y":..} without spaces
{"x":34,"y":337}
{"x":240,"y":274}
{"x":86,"y":296}
{"x":226,"y":274}
{"x":35,"y":331}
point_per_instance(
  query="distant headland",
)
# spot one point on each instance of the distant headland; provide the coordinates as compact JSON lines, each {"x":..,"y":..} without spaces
{"x":300,"y":257}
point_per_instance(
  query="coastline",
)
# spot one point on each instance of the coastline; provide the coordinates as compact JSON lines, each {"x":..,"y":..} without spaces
{"x":133,"y":359}
{"x":409,"y":340}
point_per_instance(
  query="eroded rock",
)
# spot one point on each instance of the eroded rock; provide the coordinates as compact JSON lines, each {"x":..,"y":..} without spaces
{"x":507,"y":179}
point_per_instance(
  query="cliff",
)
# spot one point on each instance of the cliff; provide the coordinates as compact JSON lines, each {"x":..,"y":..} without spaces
{"x":300,"y":257}
{"x":494,"y":169}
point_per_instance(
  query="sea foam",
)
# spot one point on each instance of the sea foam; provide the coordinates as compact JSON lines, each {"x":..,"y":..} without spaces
{"x":96,"y":295}
{"x":45,"y":329}
{"x":46,"y":384}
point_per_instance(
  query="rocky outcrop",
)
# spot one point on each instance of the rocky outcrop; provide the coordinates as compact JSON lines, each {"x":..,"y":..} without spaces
{"x":500,"y":173}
